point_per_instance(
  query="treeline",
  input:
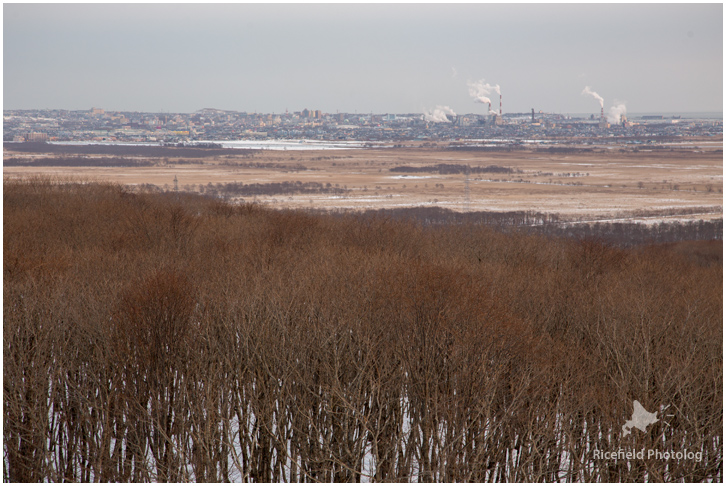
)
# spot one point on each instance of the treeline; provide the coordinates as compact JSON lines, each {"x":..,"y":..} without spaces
{"x":619,"y":233}
{"x":455,"y":169}
{"x":514,"y":146}
{"x":559,"y":149}
{"x":123,"y":149}
{"x":287,"y":188}
{"x":127,"y":162}
{"x":174,"y":337}
{"x":226,"y":190}
{"x":204,"y":145}
{"x":78,"y":162}
{"x":689,"y":210}
{"x":634,"y":234}
{"x":267,"y":165}
{"x":436,"y":215}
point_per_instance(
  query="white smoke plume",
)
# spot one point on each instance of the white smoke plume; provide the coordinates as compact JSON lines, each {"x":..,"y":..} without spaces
{"x":480,"y":90}
{"x":616,"y":112}
{"x":588,"y":91}
{"x":438,"y":114}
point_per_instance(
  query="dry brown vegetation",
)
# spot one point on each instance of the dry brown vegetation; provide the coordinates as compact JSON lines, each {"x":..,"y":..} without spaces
{"x":172,"y":337}
{"x":600,"y":184}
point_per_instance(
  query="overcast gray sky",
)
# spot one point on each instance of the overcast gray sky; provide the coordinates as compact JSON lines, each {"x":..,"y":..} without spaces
{"x":377,"y":58}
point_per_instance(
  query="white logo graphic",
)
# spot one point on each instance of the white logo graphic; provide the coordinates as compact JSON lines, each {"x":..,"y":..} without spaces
{"x":640,"y":420}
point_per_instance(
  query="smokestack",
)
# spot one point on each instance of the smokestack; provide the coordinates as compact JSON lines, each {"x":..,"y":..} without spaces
{"x":532,"y":115}
{"x":500,"y":104}
{"x":602,"y":113}
{"x":490,"y":107}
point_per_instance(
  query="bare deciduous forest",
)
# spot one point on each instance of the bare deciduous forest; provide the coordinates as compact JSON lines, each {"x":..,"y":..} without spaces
{"x":176,"y":337}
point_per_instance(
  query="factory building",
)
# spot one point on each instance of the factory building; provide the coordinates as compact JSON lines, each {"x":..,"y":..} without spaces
{"x":496,"y":119}
{"x":37,"y":137}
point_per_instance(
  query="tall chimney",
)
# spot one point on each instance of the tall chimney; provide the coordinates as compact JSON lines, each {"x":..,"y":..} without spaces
{"x":532,"y":115}
{"x":490,"y":107}
{"x":602,"y":113}
{"x":500,"y":104}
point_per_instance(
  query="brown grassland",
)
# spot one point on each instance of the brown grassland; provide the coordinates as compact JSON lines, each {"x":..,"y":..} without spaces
{"x":596,"y":182}
{"x":177,"y":337}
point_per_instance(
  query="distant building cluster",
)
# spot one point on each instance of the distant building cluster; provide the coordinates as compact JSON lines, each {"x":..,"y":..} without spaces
{"x":99,"y":125}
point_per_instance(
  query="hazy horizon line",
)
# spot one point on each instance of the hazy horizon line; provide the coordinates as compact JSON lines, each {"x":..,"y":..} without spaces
{"x":357,"y":112}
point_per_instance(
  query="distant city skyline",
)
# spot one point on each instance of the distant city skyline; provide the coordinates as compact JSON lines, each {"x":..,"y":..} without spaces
{"x":364,"y":58}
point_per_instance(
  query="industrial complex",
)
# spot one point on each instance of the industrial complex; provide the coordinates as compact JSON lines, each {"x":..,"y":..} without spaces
{"x":441,"y":124}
